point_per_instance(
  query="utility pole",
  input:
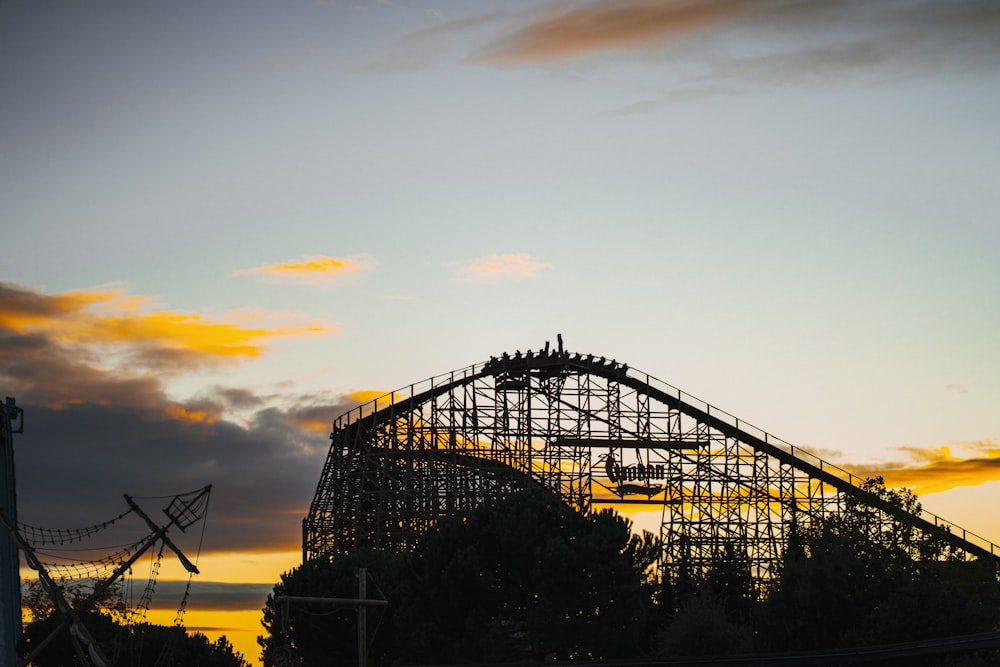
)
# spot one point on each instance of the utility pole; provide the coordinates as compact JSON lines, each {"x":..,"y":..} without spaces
{"x":361,"y":604}
{"x":11,"y":422}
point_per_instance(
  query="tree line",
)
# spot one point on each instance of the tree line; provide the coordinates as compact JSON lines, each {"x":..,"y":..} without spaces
{"x":529,"y":579}
{"x":125,"y":643}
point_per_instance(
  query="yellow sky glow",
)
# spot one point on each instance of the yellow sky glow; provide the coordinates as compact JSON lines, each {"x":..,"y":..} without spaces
{"x":241,"y":627}
{"x":239,"y":567}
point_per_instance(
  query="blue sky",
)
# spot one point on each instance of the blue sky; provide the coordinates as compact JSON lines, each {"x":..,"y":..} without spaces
{"x":787,"y":208}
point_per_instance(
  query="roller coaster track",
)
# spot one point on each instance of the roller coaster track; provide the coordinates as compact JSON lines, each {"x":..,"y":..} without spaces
{"x":399,"y":462}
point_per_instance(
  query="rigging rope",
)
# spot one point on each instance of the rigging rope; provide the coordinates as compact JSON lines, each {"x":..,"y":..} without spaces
{"x":48,"y":536}
{"x":203,"y":511}
{"x":93,"y":569}
{"x":142,"y":609}
{"x":183,"y":510}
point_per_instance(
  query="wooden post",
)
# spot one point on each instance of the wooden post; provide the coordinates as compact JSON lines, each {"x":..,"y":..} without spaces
{"x":362,"y":618}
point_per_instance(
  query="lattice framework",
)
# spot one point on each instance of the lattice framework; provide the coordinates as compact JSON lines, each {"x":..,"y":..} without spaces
{"x":595,"y":432}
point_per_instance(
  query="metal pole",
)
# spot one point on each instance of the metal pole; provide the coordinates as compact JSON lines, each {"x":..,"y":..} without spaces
{"x":11,"y":422}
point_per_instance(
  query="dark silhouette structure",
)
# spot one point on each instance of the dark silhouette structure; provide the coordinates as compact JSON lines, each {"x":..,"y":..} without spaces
{"x":11,"y":422}
{"x":593,"y":431}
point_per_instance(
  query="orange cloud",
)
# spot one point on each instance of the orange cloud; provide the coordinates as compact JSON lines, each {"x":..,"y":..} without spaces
{"x":314,"y":269}
{"x":497,"y":268}
{"x":560,"y":34}
{"x":368,"y":395}
{"x":933,"y":470}
{"x":313,"y":419}
{"x":134,"y":332}
{"x":204,"y":415}
{"x":311,"y":425}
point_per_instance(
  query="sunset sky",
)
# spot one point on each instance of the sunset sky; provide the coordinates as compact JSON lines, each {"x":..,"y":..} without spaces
{"x":224,"y":223}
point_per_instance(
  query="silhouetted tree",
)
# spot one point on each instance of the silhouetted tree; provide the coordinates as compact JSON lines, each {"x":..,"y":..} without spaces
{"x":529,"y":578}
{"x":324,"y":634}
{"x":124,"y":644}
{"x":713,"y":608}
{"x":518,"y":579}
{"x":862,"y":577}
{"x":703,"y":626}
{"x":141,"y":644}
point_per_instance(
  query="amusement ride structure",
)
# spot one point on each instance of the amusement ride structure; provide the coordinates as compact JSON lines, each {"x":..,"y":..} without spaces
{"x":594,"y":432}
{"x":67,"y":558}
{"x":104,"y":571}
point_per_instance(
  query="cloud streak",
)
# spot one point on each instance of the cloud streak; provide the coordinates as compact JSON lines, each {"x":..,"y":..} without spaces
{"x":763,"y":40}
{"x":939,"y":469}
{"x":502,"y":268}
{"x":313,"y":270}
{"x":558,"y":34}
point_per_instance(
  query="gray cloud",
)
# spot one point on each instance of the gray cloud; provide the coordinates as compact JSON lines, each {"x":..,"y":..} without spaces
{"x":74,"y":464}
{"x":93,"y":431}
{"x":212,"y":595}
